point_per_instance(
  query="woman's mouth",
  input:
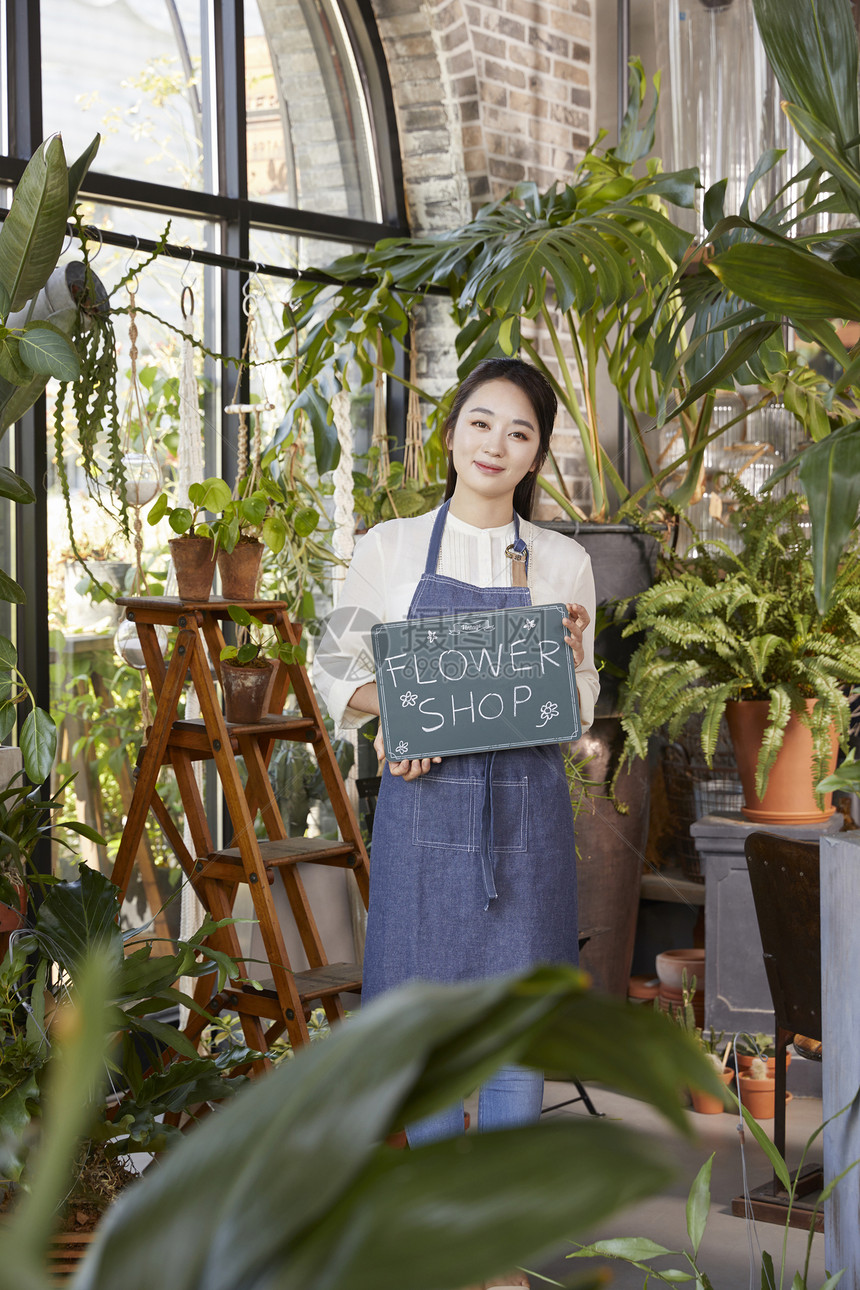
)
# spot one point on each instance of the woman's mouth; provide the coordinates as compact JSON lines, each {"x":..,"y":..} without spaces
{"x":490,"y":470}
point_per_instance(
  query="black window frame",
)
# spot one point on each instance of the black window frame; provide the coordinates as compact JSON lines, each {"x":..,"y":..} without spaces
{"x":229,"y":209}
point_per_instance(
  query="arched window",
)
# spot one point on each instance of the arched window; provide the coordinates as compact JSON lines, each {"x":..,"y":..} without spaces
{"x":262,"y":132}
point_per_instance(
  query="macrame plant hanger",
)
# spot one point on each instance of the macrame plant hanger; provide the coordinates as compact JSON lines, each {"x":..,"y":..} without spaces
{"x":414,"y":461}
{"x":379,"y":438}
{"x":143,"y":482}
{"x":192,"y":470}
{"x":248,"y":473}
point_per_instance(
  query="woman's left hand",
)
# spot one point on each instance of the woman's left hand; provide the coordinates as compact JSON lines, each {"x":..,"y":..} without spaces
{"x":576,"y":622}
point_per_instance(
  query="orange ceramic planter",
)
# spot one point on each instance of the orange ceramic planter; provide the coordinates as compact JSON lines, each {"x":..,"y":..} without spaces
{"x":757,"y":1095}
{"x":706,"y":1103}
{"x":789,"y":797}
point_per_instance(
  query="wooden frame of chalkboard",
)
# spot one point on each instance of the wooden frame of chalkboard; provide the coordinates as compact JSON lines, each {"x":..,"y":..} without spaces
{"x":475,"y":682}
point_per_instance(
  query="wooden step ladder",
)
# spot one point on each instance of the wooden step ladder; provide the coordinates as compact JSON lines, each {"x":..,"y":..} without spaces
{"x":216,"y":875}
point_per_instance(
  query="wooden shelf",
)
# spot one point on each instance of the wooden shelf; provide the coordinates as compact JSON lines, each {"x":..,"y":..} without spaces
{"x":671,"y":886}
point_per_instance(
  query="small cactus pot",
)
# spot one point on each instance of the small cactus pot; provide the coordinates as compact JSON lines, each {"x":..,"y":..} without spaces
{"x":707,"y":1103}
{"x":757,"y":1095}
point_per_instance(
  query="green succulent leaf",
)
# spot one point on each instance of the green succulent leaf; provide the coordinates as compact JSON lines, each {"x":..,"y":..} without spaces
{"x":38,"y":745}
{"x":10,"y":590}
{"x":180,"y":520}
{"x":699,"y":1205}
{"x":79,"y":168}
{"x":15,"y":488}
{"x":12,"y":367}
{"x":32,"y":234}
{"x":830,"y":474}
{"x":274,"y":533}
{"x":49,"y":352}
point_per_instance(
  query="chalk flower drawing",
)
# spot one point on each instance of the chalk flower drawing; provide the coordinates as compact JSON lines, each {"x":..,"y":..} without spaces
{"x":402,"y":747}
{"x":431,"y":636}
{"x":548,"y":711}
{"x":530,"y":622}
{"x":408,"y":700}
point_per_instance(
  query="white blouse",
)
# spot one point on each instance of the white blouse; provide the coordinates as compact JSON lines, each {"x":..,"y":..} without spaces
{"x":386,"y":567}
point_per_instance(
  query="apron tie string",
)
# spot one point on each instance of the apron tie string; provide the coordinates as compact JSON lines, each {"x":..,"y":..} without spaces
{"x":487,"y":859}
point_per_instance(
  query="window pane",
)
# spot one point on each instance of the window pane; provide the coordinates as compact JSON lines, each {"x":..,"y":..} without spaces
{"x":95,"y":695}
{"x":133,"y":73}
{"x":309,"y":143}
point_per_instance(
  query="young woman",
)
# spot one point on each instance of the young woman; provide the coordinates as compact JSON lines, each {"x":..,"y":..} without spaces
{"x":473,"y":865}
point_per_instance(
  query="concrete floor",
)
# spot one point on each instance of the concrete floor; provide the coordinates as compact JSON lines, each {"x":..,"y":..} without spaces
{"x":730,"y":1253}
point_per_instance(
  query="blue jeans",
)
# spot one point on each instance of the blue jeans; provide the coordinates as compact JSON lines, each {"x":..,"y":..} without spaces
{"x":511,"y":1098}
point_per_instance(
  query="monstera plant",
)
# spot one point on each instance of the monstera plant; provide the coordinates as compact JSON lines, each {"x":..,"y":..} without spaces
{"x":771,"y":268}
{"x":588,"y":263}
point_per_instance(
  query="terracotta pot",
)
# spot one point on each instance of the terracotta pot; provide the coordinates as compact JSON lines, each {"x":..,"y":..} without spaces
{"x":672,"y":1001}
{"x":745,"y":1061}
{"x":789,"y":797}
{"x":11,"y":918}
{"x":757,"y":1095}
{"x":707,"y":1103}
{"x":194,"y":562}
{"x":239,"y":570}
{"x":65,"y":1252}
{"x":246,"y":692}
{"x":609,"y":850}
{"x":672,"y":964}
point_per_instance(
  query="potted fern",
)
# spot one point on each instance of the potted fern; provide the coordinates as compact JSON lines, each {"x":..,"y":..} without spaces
{"x":734,"y":629}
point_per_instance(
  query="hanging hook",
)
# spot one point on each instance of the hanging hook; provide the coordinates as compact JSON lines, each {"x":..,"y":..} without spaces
{"x":97,"y":237}
{"x":187,"y":291}
{"x":246,"y":296}
{"x":187,"y":265}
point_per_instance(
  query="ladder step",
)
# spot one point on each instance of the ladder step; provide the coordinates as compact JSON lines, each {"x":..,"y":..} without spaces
{"x":294,"y":851}
{"x":314,"y":985}
{"x":191,"y":736}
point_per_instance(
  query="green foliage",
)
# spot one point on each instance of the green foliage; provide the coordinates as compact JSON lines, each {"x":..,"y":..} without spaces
{"x":640,"y":1252}
{"x":24,"y":820}
{"x":38,"y":738}
{"x":342,"y":1208}
{"x":212,"y":495}
{"x":261,"y":640}
{"x":31,"y":240}
{"x":41,"y":978}
{"x":592,"y":260}
{"x":744,"y":625}
{"x":768,"y":268}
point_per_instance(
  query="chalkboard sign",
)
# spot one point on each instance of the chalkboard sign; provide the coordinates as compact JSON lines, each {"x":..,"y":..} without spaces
{"x":475,"y":682}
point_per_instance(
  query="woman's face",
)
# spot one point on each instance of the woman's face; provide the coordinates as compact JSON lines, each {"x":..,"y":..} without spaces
{"x":495,"y":440}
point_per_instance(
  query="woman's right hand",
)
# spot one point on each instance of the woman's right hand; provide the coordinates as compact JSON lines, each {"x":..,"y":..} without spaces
{"x":406,"y":769}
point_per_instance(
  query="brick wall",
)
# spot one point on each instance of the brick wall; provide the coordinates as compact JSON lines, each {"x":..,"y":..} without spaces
{"x":490,"y":92}
{"x":487,"y":93}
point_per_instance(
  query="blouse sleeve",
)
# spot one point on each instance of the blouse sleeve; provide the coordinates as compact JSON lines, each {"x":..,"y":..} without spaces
{"x":343,"y":659}
{"x":587,"y":680}
{"x":563,"y":573}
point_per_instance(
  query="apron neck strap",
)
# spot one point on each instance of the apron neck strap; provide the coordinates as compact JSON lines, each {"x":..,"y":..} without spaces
{"x":439,"y":528}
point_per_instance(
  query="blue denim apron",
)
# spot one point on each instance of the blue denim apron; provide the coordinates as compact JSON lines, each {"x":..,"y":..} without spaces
{"x":473,"y":865}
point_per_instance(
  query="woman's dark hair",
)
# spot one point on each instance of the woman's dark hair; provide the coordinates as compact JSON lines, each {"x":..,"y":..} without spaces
{"x":542,"y":398}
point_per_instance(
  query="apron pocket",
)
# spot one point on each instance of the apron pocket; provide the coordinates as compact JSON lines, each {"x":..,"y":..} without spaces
{"x":511,"y":814}
{"x":445,"y":813}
